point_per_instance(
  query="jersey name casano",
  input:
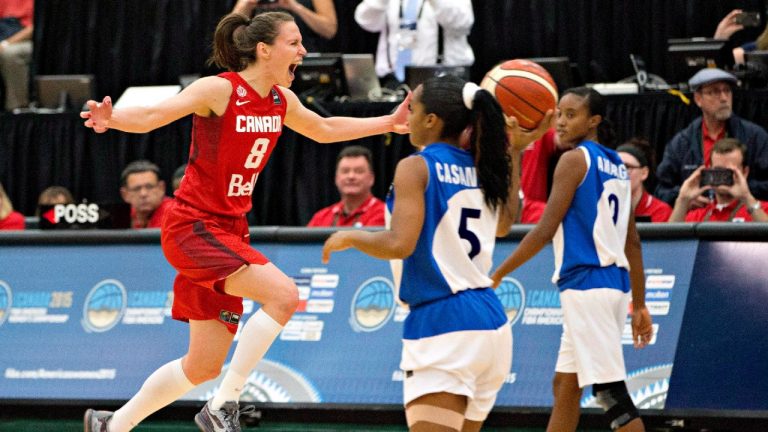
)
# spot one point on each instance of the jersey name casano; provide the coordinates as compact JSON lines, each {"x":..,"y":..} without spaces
{"x":447,"y":273}
{"x":228,"y":152}
{"x":589,"y":243}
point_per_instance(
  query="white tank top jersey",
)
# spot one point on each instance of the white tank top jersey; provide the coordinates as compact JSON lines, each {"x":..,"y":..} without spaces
{"x":445,"y":281}
{"x":589,"y":243}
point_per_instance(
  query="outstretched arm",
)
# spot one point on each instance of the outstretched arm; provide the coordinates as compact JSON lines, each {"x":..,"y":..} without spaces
{"x":203,"y":97}
{"x":568,"y":175}
{"x":407,"y":218}
{"x":334,"y":129}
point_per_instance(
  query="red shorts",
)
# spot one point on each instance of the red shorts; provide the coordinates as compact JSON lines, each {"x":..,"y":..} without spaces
{"x":206,"y":249}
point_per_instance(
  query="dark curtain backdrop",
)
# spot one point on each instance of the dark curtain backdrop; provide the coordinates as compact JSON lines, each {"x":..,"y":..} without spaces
{"x":152,"y":42}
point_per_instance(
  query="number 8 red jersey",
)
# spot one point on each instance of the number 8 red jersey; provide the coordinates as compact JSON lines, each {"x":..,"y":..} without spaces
{"x":228,"y":152}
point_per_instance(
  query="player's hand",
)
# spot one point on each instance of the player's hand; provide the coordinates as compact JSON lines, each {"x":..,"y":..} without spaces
{"x":338,"y":241}
{"x":98,"y":114}
{"x":642,"y":327}
{"x":520,"y":138}
{"x":400,"y":116}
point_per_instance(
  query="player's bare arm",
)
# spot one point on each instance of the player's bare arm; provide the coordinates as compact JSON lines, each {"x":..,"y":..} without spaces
{"x":334,"y":129}
{"x":204,"y":97}
{"x":399,"y":241}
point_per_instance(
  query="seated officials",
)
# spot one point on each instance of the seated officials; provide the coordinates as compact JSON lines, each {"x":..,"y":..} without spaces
{"x":733,"y":200}
{"x":142,"y":188}
{"x":354,"y":180}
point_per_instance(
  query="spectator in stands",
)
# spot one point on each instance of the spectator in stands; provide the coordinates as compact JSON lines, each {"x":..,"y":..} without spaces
{"x":9,"y":219}
{"x":16,"y":27}
{"x":177,"y":176}
{"x":141,"y":187}
{"x":354,"y":180}
{"x":410,"y":32}
{"x":732,"y":203}
{"x":538,"y":165}
{"x":316,"y":19}
{"x":54,"y":195}
{"x":637,"y":156}
{"x":691,"y":147}
{"x":730,"y":25}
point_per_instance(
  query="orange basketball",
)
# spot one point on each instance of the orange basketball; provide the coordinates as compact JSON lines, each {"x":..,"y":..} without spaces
{"x":524,"y":90}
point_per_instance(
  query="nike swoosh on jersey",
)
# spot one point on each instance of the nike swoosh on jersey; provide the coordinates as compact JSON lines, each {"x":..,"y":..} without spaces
{"x":241,"y":102}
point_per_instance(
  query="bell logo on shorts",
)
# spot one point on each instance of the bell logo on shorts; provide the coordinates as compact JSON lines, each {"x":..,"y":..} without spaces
{"x":6,"y":300}
{"x":104,"y":306}
{"x":229,"y":317}
{"x":373,"y":305}
{"x":512,"y":296}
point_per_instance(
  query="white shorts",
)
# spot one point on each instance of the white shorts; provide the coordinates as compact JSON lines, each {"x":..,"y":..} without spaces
{"x":590,"y":346}
{"x":469,"y":363}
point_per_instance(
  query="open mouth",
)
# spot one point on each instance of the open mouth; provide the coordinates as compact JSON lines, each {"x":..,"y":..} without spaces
{"x":292,"y":70}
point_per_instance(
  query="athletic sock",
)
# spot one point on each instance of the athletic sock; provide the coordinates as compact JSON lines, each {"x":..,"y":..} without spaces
{"x":164,"y":386}
{"x":255,"y":339}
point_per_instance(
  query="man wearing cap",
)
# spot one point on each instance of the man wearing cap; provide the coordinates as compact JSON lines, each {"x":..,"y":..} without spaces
{"x":692,"y":147}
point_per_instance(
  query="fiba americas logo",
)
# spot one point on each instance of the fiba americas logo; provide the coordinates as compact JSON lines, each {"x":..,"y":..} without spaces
{"x":372,"y":305}
{"x":104,"y":306}
{"x":5,"y":301}
{"x":512,"y":296}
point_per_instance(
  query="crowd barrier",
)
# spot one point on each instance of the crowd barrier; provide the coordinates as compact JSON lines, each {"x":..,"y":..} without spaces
{"x":85,"y":315}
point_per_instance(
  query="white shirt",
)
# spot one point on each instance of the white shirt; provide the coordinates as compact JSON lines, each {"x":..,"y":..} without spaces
{"x":454,"y":16}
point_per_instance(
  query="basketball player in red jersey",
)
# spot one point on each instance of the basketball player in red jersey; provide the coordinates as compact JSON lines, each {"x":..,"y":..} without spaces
{"x":237,"y":119}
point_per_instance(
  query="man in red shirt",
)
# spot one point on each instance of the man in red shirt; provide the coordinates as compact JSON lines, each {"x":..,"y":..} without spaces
{"x":732,"y":203}
{"x":354,"y":180}
{"x":142,"y":188}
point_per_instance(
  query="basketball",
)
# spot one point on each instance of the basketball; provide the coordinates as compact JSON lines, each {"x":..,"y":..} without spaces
{"x":524,"y":89}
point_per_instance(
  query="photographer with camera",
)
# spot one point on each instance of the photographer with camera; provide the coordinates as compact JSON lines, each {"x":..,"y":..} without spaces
{"x":727,"y":179}
{"x":692,"y":146}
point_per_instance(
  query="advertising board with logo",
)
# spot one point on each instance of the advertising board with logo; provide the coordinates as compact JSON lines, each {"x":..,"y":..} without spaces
{"x":92,"y":322}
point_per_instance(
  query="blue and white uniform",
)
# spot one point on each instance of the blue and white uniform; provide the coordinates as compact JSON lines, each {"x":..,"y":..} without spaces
{"x":591,"y":269}
{"x":456,"y":338}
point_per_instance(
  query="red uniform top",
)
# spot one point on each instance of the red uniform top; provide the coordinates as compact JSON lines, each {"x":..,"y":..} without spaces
{"x":228,"y":152}
{"x":733,"y":212}
{"x":156,"y":220}
{"x":369,"y":213}
{"x":23,"y":10}
{"x":537,"y":166}
{"x":14,"y":221}
{"x":708,"y":144}
{"x":649,"y":205}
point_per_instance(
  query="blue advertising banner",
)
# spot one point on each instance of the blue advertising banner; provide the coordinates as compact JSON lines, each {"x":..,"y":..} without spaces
{"x":722,"y":356}
{"x":92,"y":322}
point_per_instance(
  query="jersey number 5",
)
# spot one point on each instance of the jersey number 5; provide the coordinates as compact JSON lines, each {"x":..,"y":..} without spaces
{"x":468,"y":235}
{"x":260,"y":147}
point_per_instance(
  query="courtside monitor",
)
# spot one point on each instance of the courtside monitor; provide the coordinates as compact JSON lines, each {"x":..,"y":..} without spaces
{"x":319,"y":75}
{"x":559,"y":69}
{"x":415,"y":75}
{"x":64,"y":92}
{"x":688,"y":56}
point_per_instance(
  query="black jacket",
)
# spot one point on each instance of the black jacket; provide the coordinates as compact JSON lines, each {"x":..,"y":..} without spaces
{"x":683,"y":154}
